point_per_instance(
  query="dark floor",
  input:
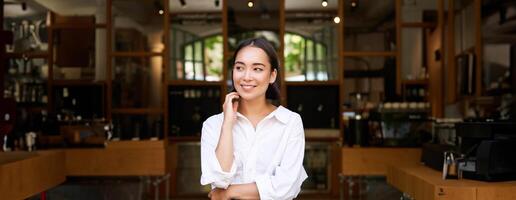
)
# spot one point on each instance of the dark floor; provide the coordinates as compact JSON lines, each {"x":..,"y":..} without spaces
{"x":139,"y":188}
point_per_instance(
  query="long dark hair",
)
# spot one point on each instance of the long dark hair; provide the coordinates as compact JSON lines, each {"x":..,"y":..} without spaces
{"x":273,"y":91}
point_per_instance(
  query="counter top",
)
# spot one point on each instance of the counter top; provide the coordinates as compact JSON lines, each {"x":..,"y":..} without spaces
{"x":421,"y":182}
{"x":373,"y":161}
{"x":24,"y":174}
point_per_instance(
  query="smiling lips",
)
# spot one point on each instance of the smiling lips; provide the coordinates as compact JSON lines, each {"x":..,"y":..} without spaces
{"x":247,"y":87}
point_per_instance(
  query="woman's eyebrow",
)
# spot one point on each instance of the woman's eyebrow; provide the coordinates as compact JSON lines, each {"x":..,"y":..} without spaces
{"x":254,"y":64}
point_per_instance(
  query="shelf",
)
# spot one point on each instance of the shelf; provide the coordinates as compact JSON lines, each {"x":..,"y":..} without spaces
{"x":77,"y":82}
{"x":322,"y":133}
{"x":27,"y":55}
{"x":137,"y":111}
{"x":31,"y":105}
{"x":418,"y":25}
{"x":144,"y":144}
{"x":76,"y":26}
{"x":378,"y":73}
{"x":415,"y":82}
{"x":312,"y":83}
{"x":136,"y":54}
{"x":194,"y":83}
{"x":176,"y":139}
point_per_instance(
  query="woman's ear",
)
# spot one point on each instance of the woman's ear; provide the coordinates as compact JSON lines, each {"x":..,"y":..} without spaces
{"x":274,"y":73}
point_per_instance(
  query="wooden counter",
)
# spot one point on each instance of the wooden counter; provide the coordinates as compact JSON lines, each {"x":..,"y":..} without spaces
{"x":24,"y":174}
{"x":423,"y":183}
{"x":127,"y":158}
{"x":367,"y":161}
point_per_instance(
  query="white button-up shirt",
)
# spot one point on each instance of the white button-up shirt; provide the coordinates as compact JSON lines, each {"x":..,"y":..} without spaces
{"x":271,"y":156}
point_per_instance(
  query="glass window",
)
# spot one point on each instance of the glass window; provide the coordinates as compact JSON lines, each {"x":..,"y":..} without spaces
{"x":308,"y":60}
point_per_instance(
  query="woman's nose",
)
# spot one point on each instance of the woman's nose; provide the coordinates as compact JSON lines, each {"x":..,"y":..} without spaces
{"x":247,"y":75}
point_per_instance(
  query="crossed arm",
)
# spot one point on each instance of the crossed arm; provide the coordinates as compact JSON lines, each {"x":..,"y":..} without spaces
{"x":237,"y":191}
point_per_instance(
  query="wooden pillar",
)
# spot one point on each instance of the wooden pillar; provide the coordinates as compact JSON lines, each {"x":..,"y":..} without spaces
{"x":2,"y":49}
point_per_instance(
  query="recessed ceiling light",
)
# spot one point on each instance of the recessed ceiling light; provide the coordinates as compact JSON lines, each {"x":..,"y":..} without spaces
{"x":250,"y":4}
{"x":336,"y":19}
{"x":324,"y":3}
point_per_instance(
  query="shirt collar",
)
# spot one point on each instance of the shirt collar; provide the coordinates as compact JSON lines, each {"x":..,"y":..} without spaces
{"x":281,"y":114}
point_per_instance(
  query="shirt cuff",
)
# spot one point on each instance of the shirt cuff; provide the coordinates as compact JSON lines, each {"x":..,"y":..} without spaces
{"x":264,"y":185}
{"x":217,"y":177}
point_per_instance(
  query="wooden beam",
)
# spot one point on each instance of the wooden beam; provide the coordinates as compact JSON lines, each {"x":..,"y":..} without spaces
{"x":109,"y":48}
{"x":166,"y":68}
{"x":399,"y":57}
{"x":2,"y":51}
{"x":478,"y":47}
{"x":369,"y":53}
{"x":225,"y":48}
{"x":451,"y":89}
{"x":50,"y":59}
{"x":337,"y":155}
{"x":283,"y":89}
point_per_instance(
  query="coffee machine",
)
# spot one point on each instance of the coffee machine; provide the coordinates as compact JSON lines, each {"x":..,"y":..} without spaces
{"x":488,"y":149}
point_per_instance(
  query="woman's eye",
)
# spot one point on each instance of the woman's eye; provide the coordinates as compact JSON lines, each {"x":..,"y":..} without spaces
{"x":238,"y":68}
{"x":258,"y":69}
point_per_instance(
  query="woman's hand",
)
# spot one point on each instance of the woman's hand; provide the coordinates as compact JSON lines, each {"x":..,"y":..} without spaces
{"x":230,"y":108}
{"x":218,"y":194}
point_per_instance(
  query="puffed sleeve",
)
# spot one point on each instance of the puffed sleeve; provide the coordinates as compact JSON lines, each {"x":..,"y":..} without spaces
{"x":212,"y":172}
{"x":284,"y":181}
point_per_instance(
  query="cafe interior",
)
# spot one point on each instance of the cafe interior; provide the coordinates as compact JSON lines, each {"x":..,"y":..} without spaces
{"x":400,"y":99}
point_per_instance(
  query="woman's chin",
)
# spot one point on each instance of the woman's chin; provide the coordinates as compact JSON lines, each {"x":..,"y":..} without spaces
{"x":248,"y":97}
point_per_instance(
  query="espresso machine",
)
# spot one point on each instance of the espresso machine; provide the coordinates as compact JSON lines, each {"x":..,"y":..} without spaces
{"x":488,"y":149}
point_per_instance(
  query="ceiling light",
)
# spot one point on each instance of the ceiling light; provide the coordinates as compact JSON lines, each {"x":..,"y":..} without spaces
{"x":324,"y":3}
{"x":354,"y":3}
{"x":336,"y":19}
{"x":250,"y":4}
{"x":161,"y":12}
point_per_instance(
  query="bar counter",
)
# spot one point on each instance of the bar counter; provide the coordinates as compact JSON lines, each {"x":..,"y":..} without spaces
{"x":25,"y":174}
{"x":423,"y":183}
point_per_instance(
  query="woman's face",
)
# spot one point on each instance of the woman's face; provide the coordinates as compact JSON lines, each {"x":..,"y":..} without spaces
{"x":252,"y":73}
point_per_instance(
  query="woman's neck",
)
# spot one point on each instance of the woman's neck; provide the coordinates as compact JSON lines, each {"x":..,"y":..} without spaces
{"x":254,"y":108}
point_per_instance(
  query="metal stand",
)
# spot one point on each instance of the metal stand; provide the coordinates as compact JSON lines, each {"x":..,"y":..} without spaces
{"x":146,"y":181}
